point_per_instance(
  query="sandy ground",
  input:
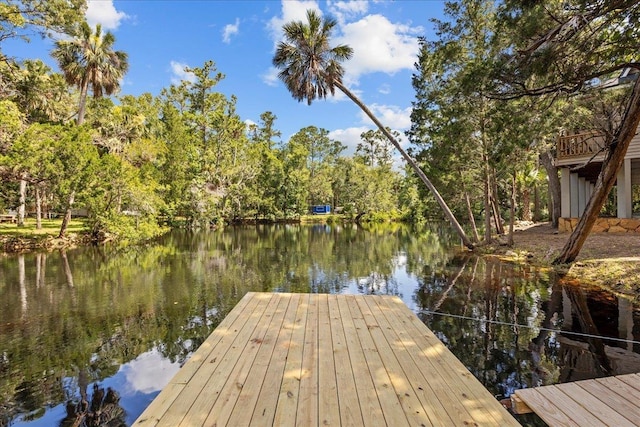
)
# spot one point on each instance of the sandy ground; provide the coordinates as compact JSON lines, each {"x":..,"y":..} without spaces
{"x":607,"y":259}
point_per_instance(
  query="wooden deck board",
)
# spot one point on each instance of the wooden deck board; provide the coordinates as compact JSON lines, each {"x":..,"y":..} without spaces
{"x":611,"y":401}
{"x":287,"y":404}
{"x":347,"y":392}
{"x":370,"y":408}
{"x":448,"y":374}
{"x":410,"y":358}
{"x":312,"y":360}
{"x":268,"y":367}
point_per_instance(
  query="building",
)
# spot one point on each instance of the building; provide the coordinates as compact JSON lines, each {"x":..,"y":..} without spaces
{"x":579,"y":158}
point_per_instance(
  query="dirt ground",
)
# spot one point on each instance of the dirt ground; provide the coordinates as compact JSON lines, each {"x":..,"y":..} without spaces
{"x":608,"y":259}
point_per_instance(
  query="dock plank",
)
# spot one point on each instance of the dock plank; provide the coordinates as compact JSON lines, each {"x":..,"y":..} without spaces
{"x":613,"y":399}
{"x":394,"y":414}
{"x":609,"y":401}
{"x":262,"y":341}
{"x":371,"y":410}
{"x":457,"y":383}
{"x":268,"y":356}
{"x":328,"y":403}
{"x":408,"y":356}
{"x":220,"y":339}
{"x":289,"y":389}
{"x":606,"y":414}
{"x":216,"y":374}
{"x":307,"y":414}
{"x":349,"y":406}
{"x":313,"y":359}
{"x":414,"y":413}
{"x":546,"y":408}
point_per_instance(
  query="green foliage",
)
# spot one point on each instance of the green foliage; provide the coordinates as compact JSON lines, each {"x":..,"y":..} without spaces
{"x":563,"y":47}
{"x":19,"y":17}
{"x":11,"y":123}
{"x":41,"y":94}
{"x":125,"y":206}
{"x":375,"y":148}
{"x":88,"y":61}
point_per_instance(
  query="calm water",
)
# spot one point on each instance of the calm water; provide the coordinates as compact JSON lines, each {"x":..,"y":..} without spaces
{"x":113,"y":326}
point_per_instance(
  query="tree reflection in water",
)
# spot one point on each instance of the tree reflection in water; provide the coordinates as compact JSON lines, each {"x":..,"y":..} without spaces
{"x":102,"y":411}
{"x":515,"y":326}
{"x":71,"y":320}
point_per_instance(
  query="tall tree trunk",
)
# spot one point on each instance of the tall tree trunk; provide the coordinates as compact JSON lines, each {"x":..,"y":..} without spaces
{"x":443,"y":205}
{"x":613,"y":160}
{"x":67,"y":215}
{"x":472,"y":220}
{"x":526,"y":203}
{"x":38,"y":207}
{"x":536,"y":203}
{"x":23,"y":202}
{"x":546,"y":159}
{"x":84,"y":90}
{"x":487,"y":203}
{"x":494,"y":202}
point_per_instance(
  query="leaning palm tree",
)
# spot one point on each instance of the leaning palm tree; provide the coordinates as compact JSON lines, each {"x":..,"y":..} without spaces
{"x":310,"y":68}
{"x":89,"y":62}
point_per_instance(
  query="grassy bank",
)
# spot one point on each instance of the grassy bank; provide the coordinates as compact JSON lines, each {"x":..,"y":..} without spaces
{"x":608,"y":260}
{"x":24,"y":238}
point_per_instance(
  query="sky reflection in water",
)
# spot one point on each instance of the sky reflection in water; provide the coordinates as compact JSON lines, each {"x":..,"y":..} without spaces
{"x":128,"y":319}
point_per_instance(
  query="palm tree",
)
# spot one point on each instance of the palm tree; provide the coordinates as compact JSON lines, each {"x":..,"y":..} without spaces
{"x":89,"y":61}
{"x":310,"y":68}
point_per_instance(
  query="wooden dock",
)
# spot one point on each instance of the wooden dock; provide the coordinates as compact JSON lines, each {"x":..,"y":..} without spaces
{"x":317,"y":359}
{"x":611,"y":401}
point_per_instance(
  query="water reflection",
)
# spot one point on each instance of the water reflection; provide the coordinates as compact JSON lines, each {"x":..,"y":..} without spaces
{"x":76,"y":324}
{"x":516,"y":327}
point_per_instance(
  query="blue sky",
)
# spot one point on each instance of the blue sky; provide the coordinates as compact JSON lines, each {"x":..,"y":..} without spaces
{"x":161,"y":37}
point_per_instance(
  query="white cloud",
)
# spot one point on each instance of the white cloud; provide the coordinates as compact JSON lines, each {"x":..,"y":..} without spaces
{"x":179,"y":73}
{"x":349,"y":137}
{"x":384,"y":89}
{"x":149,"y":372}
{"x":104,"y":12}
{"x":249,"y":122}
{"x":270,"y":77}
{"x":291,"y":11}
{"x":230,"y":30}
{"x":343,"y":10}
{"x":390,"y":115}
{"x":379,"y":46}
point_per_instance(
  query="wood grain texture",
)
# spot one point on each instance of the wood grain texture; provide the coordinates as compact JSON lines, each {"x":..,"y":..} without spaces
{"x":611,"y":401}
{"x":317,"y":360}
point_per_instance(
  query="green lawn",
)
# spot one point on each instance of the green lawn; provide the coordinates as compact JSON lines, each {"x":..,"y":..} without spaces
{"x":50,"y":227}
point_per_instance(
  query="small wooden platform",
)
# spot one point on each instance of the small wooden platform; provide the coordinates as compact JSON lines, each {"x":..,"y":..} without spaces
{"x":611,"y":401}
{"x":315,"y":360}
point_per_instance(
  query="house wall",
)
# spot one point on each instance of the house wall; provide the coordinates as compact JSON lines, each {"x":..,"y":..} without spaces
{"x":633,"y":152}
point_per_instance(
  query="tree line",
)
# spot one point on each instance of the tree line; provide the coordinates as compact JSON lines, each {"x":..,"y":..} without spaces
{"x":493,"y":90}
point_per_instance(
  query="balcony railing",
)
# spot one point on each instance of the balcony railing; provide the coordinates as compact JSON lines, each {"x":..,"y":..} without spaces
{"x":579,"y":144}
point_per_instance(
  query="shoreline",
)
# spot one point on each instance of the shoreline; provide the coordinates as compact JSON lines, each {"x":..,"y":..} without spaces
{"x":607,"y":260}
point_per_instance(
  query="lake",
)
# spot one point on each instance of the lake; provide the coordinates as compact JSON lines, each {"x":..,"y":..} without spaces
{"x":106,"y":328}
